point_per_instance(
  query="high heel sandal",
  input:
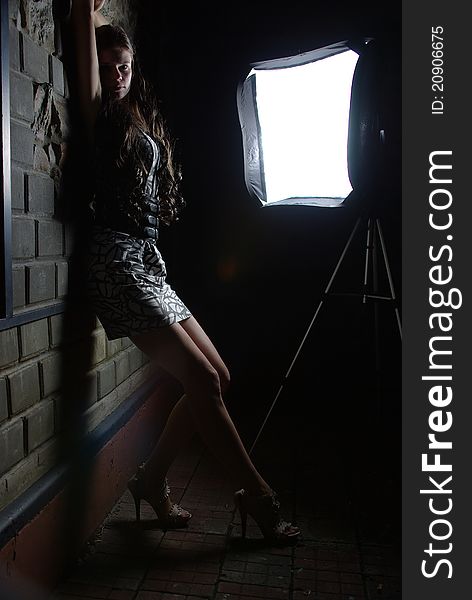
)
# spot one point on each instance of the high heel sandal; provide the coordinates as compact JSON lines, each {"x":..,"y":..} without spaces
{"x":176,"y":517}
{"x":265,"y":510}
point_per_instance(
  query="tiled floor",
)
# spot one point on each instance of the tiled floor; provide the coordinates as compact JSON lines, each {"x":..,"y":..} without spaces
{"x":346,"y":552}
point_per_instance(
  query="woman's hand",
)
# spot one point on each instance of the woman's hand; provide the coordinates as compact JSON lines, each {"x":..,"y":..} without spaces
{"x":98,"y":18}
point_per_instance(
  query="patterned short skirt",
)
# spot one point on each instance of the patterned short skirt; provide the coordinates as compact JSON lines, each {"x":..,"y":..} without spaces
{"x":127,"y":285}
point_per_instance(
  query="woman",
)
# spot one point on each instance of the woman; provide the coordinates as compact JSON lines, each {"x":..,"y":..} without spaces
{"x":136,"y":187}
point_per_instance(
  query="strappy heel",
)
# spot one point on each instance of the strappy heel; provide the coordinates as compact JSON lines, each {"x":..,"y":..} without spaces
{"x":176,"y":517}
{"x":265,"y":510}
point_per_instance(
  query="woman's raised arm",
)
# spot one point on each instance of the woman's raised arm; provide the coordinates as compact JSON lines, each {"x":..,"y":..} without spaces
{"x":84,"y":19}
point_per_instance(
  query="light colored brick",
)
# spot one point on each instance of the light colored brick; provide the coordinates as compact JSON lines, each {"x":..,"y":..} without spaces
{"x":50,"y":368}
{"x":40,"y":193}
{"x":3,"y":399}
{"x":78,"y":328}
{"x":21,"y":143}
{"x":126,"y":343}
{"x":14,"y":48}
{"x":41,"y":280}
{"x":49,"y":453}
{"x":113,"y":347}
{"x":41,"y":161}
{"x":100,"y":410}
{"x":62,"y":125}
{"x":90,"y":388}
{"x":22,"y":238}
{"x":57,"y":75}
{"x":17,"y":189}
{"x":62,"y":273}
{"x":34,"y":338}
{"x":55,"y":330}
{"x":11,"y":444}
{"x":27,"y":471}
{"x":40,"y":424}
{"x":135,"y":359}
{"x":35,"y":60}
{"x":122,"y":367}
{"x":99,"y":348}
{"x":24,"y":388}
{"x":8,"y":346}
{"x":21,"y":96}
{"x":50,"y":238}
{"x":19,"y":287}
{"x":106,"y":379}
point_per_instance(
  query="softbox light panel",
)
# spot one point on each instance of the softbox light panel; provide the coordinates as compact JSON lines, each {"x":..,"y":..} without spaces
{"x":294,"y":117}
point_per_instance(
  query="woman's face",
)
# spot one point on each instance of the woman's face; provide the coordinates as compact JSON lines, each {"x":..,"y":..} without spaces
{"x":115,"y":71}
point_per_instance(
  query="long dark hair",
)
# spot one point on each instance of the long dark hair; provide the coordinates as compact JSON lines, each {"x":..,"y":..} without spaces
{"x":139,"y":109}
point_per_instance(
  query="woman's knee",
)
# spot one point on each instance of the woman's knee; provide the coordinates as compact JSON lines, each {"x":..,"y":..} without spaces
{"x":213,"y":378}
{"x":204,"y":381}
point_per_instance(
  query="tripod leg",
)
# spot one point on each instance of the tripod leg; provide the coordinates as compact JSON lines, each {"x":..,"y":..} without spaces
{"x":390,"y":280}
{"x":375,"y":286}
{"x":325,"y":293}
{"x":368,"y":250}
{"x":267,"y":416}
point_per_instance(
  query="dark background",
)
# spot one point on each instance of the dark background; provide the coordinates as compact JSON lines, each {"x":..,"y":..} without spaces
{"x":253,"y":277}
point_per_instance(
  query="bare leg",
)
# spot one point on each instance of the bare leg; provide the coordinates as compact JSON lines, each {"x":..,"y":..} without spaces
{"x":180,"y":425}
{"x":177,"y":432}
{"x":175,"y":350}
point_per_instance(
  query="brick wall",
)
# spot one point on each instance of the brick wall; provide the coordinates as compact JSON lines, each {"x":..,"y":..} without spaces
{"x":30,"y":354}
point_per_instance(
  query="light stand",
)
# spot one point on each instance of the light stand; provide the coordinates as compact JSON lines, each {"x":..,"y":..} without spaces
{"x":373,"y":163}
{"x":373,"y":236}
